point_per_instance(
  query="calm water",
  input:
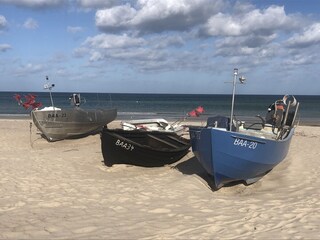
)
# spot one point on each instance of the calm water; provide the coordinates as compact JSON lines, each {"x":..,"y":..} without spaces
{"x":170,"y":106}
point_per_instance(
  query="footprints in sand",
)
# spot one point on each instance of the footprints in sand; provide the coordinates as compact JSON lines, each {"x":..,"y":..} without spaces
{"x":71,"y":194}
{"x":49,"y":204}
{"x":88,"y":229}
{"x":160,"y":210}
{"x":11,"y":206}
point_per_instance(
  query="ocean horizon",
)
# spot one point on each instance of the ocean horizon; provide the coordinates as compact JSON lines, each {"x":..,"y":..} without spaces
{"x":169,"y":106}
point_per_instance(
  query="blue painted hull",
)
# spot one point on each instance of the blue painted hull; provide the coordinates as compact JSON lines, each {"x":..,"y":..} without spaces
{"x":232,"y":156}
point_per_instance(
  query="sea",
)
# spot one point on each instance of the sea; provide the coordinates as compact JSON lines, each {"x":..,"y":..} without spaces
{"x":172,"y":107}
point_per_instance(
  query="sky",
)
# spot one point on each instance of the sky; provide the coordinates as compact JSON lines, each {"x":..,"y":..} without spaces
{"x":160,"y":46}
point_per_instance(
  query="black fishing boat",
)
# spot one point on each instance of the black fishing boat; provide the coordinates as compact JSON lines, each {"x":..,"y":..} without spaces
{"x":142,"y":148}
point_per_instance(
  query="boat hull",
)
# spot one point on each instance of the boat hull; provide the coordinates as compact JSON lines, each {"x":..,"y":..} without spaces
{"x":232,"y":156}
{"x":71,"y":123}
{"x":142,"y":148}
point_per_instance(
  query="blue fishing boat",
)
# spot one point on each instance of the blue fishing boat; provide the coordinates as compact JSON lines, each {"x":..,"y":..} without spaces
{"x":232,"y":150}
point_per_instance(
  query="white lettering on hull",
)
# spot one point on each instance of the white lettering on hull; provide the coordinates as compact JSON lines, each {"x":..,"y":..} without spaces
{"x":124,"y":145}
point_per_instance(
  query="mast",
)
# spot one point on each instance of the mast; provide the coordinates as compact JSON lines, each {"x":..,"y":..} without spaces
{"x":241,"y":79}
{"x":49,"y":86}
{"x":235,"y":73}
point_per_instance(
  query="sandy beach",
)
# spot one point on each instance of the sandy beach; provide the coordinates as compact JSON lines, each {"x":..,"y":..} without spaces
{"x":63,"y":190}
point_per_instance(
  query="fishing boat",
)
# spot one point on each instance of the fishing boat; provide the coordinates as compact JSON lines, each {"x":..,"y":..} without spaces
{"x":142,"y":148}
{"x":156,"y":124}
{"x":231,"y":150}
{"x":58,"y":124}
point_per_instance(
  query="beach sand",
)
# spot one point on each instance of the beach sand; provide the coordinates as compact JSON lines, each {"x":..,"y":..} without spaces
{"x":64,"y":190}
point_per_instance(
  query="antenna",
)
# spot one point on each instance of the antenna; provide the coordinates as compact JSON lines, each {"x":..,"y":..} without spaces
{"x":49,"y":86}
{"x":241,"y":79}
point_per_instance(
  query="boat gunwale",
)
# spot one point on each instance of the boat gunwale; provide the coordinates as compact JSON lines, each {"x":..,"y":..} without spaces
{"x":186,"y":145}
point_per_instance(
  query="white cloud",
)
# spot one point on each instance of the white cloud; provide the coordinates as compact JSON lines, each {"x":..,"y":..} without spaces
{"x":96,"y":56}
{"x":157,"y":16}
{"x":4,"y":47}
{"x":3,"y":22}
{"x":222,"y":24}
{"x":167,"y":38}
{"x":301,"y":60}
{"x":156,"y":53}
{"x":310,"y":37}
{"x":254,"y":34}
{"x":115,"y":18}
{"x":30,"y":24}
{"x":251,"y":55}
{"x":29,"y":68}
{"x":251,"y":41}
{"x":80,"y":52}
{"x":262,"y":22}
{"x":154,"y":10}
{"x":96,"y":3}
{"x":165,"y":41}
{"x":110,"y":41}
{"x":71,"y":29}
{"x":35,"y":3}
{"x":104,"y":46}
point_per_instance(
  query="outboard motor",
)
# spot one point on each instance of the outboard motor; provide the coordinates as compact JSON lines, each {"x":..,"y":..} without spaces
{"x":277,"y":114}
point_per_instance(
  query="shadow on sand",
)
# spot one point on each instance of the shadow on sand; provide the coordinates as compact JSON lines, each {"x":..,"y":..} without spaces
{"x":192,"y":166}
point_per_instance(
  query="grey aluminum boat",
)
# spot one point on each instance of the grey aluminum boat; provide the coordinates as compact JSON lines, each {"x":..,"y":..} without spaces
{"x":58,"y":124}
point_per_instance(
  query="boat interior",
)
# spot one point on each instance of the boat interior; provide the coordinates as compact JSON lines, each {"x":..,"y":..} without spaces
{"x":168,"y":141}
{"x":276,"y":125}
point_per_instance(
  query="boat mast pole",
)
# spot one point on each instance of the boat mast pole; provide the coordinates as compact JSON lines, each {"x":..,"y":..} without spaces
{"x":49,"y":87}
{"x":51,"y":97}
{"x":235,"y":73}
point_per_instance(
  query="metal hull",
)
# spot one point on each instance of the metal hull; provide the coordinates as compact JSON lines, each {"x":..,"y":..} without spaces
{"x":142,"y":148}
{"x":232,"y":156}
{"x":71,"y":123}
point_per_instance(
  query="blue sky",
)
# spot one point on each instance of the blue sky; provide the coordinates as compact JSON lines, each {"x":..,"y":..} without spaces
{"x":160,"y":46}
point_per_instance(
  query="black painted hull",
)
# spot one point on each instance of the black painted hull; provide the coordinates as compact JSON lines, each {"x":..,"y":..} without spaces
{"x":142,"y":148}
